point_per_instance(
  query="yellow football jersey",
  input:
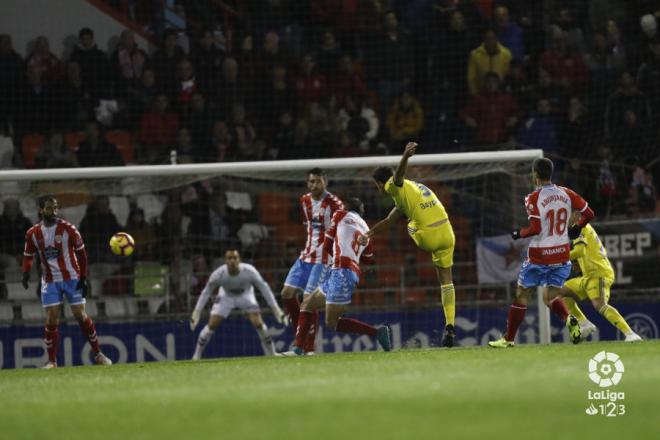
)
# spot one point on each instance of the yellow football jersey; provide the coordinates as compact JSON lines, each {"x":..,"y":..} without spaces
{"x":591,"y":255}
{"x":418,"y":203}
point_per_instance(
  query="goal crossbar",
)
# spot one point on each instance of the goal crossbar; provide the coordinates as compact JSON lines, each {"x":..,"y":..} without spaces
{"x":267,"y":166}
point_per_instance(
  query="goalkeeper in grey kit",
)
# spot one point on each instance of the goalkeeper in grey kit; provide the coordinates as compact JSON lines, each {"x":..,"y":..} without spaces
{"x":236,"y":281}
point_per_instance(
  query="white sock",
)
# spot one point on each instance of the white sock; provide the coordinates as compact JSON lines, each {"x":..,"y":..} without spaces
{"x":204,"y":337}
{"x":266,"y":341}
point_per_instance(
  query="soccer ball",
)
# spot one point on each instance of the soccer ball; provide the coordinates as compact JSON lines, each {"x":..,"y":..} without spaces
{"x":122,"y":244}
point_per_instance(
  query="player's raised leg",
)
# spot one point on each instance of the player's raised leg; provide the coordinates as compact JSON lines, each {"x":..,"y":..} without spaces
{"x":267,"y":343}
{"x":205,"y":335}
{"x":615,"y":318}
{"x":571,"y":294}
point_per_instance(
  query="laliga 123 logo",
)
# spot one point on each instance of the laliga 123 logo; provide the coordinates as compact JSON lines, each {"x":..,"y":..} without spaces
{"x":606,"y":369}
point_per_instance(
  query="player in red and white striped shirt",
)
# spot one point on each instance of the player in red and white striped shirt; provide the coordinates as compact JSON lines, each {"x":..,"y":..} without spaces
{"x":316,"y":210}
{"x":548,"y":265}
{"x":63,"y":260}
{"x":336,"y":291}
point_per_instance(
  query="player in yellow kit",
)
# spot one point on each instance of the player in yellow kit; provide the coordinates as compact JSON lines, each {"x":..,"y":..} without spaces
{"x":594,"y":283}
{"x":428,"y":226}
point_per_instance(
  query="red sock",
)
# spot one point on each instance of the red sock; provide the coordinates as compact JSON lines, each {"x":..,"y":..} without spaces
{"x":292,"y":308}
{"x":89,"y":331}
{"x":51,"y":338}
{"x":349,"y":325}
{"x":516,"y":316}
{"x":558,"y":307}
{"x":310,"y":340}
{"x":304,"y":323}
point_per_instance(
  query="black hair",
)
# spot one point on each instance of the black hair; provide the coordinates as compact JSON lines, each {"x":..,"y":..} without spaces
{"x":353,"y":203}
{"x":43,"y":199}
{"x":317,"y":172}
{"x":382,"y":174}
{"x":543,"y":167}
{"x":85,"y":31}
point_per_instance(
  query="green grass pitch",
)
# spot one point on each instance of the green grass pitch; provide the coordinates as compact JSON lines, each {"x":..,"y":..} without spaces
{"x":532,"y":392}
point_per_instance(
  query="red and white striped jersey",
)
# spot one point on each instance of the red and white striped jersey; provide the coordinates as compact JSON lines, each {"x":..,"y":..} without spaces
{"x":56,"y":246}
{"x":552,"y":205}
{"x":317,"y":216}
{"x":346,"y":229}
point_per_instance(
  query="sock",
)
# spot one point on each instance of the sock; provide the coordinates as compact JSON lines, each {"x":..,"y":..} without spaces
{"x":516,"y":316}
{"x":302,"y":329}
{"x":204,"y":337}
{"x":448,"y":298}
{"x":292,"y":308}
{"x":51,"y":339}
{"x":310,"y":340}
{"x":575,"y":310}
{"x":266,"y":341}
{"x":349,"y":325}
{"x":615,"y":318}
{"x":89,"y":331}
{"x":559,"y":308}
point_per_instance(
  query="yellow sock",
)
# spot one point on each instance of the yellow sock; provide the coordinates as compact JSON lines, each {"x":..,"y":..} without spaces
{"x":613,"y":315}
{"x":448,"y":298}
{"x":574,"y":309}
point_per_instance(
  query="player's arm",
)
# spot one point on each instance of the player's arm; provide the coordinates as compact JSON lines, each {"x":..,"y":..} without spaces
{"x":579,"y":249}
{"x":582,"y":207}
{"x":81,"y":257}
{"x":367,"y":256}
{"x":212,"y":284}
{"x":392,"y":217}
{"x":400,"y":172}
{"x":28,"y":259}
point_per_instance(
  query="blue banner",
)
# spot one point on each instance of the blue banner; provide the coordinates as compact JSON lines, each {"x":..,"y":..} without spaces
{"x":22,"y":346}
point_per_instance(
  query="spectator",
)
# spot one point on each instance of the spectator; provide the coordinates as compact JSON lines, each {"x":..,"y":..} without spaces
{"x":328,"y":53}
{"x":95,"y":151}
{"x":165,"y":62}
{"x":158,"y":130}
{"x":271,"y":55}
{"x":144,"y":233}
{"x":6,"y":146}
{"x":518,"y":85}
{"x":606,"y":200}
{"x":249,"y":63}
{"x":490,"y":56}
{"x":310,"y":86}
{"x":140,"y":98}
{"x":211,"y":228}
{"x":315,"y":132}
{"x":50,"y":66}
{"x":184,"y":147}
{"x":187,"y":83}
{"x":540,"y":130}
{"x":94,"y":66}
{"x":198,"y":119}
{"x":605,"y":63}
{"x":76,"y":101}
{"x":129,"y":62}
{"x":220,"y":148}
{"x":97,"y":226}
{"x":627,"y":118}
{"x":566,"y":67}
{"x":13,"y":226}
{"x":406,"y":118}
{"x":643,"y":194}
{"x":565,"y":23}
{"x":55,"y":154}
{"x":234,"y":90}
{"x":347,"y":80}
{"x":360,"y":121}
{"x":648,"y":77}
{"x":284,"y":136}
{"x":11,"y":76}
{"x":207,"y":59}
{"x":508,"y":32}
{"x":492,"y":114}
{"x":577,"y":131}
{"x":38,"y":104}
{"x":547,"y":89}
{"x":242,"y":132}
{"x":389,"y":61}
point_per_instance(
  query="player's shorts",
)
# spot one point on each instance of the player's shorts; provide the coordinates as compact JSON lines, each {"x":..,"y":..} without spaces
{"x":534,"y":275}
{"x":305,"y":276}
{"x":590,"y":287}
{"x":439,"y":241}
{"x":53,"y":294}
{"x":339,"y":286}
{"x":224,"y":304}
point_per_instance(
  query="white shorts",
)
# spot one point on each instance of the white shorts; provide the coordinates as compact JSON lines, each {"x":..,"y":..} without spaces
{"x":224,"y":304}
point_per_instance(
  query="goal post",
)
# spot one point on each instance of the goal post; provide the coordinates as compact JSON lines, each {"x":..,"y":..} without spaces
{"x":184,"y":216}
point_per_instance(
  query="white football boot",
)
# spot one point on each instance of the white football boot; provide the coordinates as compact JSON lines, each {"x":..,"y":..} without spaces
{"x":633,"y":337}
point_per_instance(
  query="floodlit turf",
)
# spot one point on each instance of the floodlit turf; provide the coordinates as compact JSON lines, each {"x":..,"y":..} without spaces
{"x":532,"y":392}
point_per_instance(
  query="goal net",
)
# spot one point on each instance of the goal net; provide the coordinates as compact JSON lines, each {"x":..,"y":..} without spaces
{"x":184,"y":218}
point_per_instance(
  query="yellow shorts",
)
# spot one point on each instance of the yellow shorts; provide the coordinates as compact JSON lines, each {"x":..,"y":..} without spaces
{"x":440,"y":241}
{"x":590,"y":287}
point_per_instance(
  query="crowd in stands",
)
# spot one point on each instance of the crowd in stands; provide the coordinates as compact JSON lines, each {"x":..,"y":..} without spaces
{"x":268,"y":80}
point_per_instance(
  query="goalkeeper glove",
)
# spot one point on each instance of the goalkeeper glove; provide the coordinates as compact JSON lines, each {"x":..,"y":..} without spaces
{"x":83,"y":285}
{"x":25,"y":279}
{"x":515,"y":234}
{"x":281,"y":318}
{"x":194,"y":319}
{"x":574,"y":232}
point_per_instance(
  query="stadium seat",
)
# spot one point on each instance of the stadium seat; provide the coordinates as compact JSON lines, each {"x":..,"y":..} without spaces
{"x":30,"y":146}
{"x":415,"y":296}
{"x":6,"y":313}
{"x":374,"y":298}
{"x":90,"y":309}
{"x":16,"y":292}
{"x":32,"y":311}
{"x":98,"y":273}
{"x":291,"y":232}
{"x":274,"y":208}
{"x":73,"y":138}
{"x":115,"y":307}
{"x":123,"y":140}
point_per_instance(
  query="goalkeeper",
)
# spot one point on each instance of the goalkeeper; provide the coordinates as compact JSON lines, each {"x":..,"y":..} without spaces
{"x":428,"y":226}
{"x":595,"y":282}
